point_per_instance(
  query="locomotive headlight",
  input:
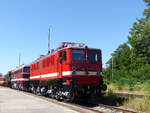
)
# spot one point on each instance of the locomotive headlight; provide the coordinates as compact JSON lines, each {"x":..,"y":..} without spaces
{"x":74,"y":72}
{"x":74,"y":68}
{"x":99,"y":73}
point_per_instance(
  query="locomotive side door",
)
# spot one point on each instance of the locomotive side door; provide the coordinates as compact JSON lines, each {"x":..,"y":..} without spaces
{"x":62,"y":58}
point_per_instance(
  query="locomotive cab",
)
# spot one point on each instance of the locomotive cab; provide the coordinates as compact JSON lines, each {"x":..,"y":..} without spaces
{"x":81,"y":67}
{"x":81,"y":63}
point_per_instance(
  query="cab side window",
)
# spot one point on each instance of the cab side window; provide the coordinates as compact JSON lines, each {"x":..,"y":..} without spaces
{"x":63,"y":56}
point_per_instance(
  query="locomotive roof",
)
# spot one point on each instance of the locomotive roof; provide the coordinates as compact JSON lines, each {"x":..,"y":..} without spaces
{"x":65,"y":45}
{"x":44,"y":56}
{"x":20,"y":67}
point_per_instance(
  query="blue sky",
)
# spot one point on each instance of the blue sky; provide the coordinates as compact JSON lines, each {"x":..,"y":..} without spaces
{"x":100,"y":24}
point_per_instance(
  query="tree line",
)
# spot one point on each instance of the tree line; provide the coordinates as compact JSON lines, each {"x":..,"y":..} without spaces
{"x":130,"y":62}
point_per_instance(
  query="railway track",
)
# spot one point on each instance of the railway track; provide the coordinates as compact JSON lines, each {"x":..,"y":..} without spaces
{"x":105,"y":108}
{"x":82,"y":106}
{"x":111,"y":109}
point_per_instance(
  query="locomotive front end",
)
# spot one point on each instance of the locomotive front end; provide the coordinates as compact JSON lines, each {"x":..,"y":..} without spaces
{"x":84,"y":72}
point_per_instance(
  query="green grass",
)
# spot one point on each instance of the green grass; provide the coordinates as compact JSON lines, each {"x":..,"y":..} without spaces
{"x":143,"y":89}
{"x":140,"y":104}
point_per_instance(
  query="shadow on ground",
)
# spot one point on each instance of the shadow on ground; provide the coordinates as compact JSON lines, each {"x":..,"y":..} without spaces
{"x":106,"y":99}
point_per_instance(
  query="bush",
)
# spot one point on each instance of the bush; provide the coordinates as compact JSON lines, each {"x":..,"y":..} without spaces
{"x":146,"y":87}
{"x":132,"y":79}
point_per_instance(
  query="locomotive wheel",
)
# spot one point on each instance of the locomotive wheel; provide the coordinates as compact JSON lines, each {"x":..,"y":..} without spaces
{"x":37,"y":92}
{"x":53,"y":96}
{"x":43,"y":91}
{"x":53,"y":93}
{"x":32,"y":89}
{"x":58,"y":95}
{"x":70,"y":97}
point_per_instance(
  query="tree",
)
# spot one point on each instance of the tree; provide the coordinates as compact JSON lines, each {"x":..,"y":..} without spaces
{"x":121,"y":57}
{"x":139,"y":39}
{"x":132,"y":59}
{"x":147,"y":11}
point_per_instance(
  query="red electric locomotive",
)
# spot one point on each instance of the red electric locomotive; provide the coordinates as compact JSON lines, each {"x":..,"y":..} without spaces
{"x":20,"y":78}
{"x":73,"y":70}
{"x":2,"y":80}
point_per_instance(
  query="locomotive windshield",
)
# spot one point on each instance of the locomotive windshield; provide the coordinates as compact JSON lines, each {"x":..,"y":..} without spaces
{"x":27,"y":69}
{"x":93,"y":56}
{"x":80,"y":55}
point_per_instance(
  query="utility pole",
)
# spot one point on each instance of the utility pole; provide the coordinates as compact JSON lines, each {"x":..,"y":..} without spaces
{"x":112,"y":66}
{"x":19,"y":59}
{"x":49,"y":35}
